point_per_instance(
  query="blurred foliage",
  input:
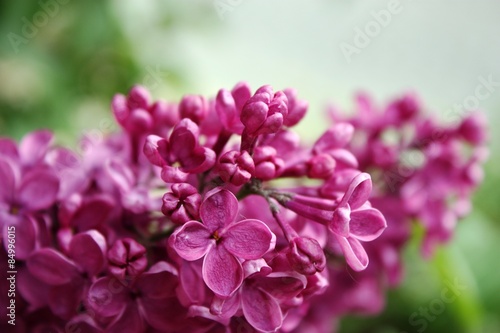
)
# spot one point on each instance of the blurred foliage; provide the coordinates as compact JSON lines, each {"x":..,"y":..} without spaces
{"x":64,"y":75}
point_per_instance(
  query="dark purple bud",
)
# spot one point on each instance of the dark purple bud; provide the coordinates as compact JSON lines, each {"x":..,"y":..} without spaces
{"x":306,"y":255}
{"x":267,"y":165}
{"x":296,"y":108}
{"x":182,"y":204}
{"x":194,"y":107}
{"x":321,"y":166}
{"x":473,"y":129}
{"x":236,"y":167}
{"x":127,"y":259}
{"x":264,"y":112}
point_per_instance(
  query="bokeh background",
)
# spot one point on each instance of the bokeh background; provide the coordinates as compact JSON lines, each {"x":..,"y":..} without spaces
{"x":62,"y":60}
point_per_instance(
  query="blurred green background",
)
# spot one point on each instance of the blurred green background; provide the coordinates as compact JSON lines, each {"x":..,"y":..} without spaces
{"x":61,"y":61}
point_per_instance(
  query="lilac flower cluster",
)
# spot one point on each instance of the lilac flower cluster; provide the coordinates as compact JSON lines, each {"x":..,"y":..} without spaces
{"x":211,"y":215}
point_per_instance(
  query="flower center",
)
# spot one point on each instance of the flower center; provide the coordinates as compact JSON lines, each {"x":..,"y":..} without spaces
{"x":216,"y":236}
{"x":14,"y":210}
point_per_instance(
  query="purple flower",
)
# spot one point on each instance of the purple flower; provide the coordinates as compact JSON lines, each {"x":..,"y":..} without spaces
{"x":180,"y":149}
{"x":182,"y":204}
{"x":222,"y":242}
{"x":264,"y":112}
{"x":129,"y":307}
{"x":229,"y":104}
{"x":236,"y":167}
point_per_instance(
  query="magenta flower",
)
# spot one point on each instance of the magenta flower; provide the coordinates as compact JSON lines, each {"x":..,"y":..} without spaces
{"x":264,"y":112}
{"x":182,"y":203}
{"x":222,"y":242}
{"x":67,"y":277}
{"x":180,"y":149}
{"x":229,"y":104}
{"x":130,"y":307}
{"x":236,"y":167}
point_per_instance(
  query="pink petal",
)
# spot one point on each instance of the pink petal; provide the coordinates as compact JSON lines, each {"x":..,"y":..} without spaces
{"x":51,"y":267}
{"x":173,"y":174}
{"x":283,"y":286}
{"x":254,"y":114}
{"x":200,"y":160}
{"x":184,"y":138}
{"x":65,"y":299}
{"x":192,"y":289}
{"x":165,"y":315}
{"x":92,"y":213}
{"x":261,"y":310}
{"x":156,"y":150}
{"x":83,"y":323}
{"x":88,"y":251}
{"x":159,"y":281}
{"x":366,"y":225}
{"x":34,"y":291}
{"x":107,"y":297}
{"x":38,"y":189}
{"x":33,"y":146}
{"x":219,"y":208}
{"x":8,"y":180}
{"x":225,"y":307}
{"x":344,"y":157}
{"x":336,"y":137}
{"x":359,"y":191}
{"x":222,"y":272}
{"x":340,"y":222}
{"x":248,"y":239}
{"x":354,"y":253}
{"x":191,"y":241}
{"x":129,"y":321}
{"x":241,"y":94}
{"x":8,"y":148}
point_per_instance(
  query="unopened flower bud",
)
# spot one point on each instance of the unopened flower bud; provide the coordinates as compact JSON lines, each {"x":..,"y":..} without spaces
{"x":194,"y":107}
{"x":236,"y":167}
{"x":306,"y":256}
{"x":182,"y":204}
{"x":321,"y":166}
{"x":127,"y":259}
{"x":267,"y":165}
{"x":264,"y":112}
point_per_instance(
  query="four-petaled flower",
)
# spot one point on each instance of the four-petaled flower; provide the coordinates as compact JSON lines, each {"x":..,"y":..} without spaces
{"x":222,"y":242}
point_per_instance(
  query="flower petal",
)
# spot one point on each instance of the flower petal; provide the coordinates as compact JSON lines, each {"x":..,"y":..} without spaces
{"x":129,"y":321}
{"x":51,"y":267}
{"x":260,"y":309}
{"x":38,"y":189}
{"x":358,"y":192}
{"x":8,"y":179}
{"x":93,"y":213}
{"x":354,"y":253}
{"x":191,"y":241}
{"x":107,"y":296}
{"x":88,"y":250}
{"x":219,"y":208}
{"x":221,"y":271}
{"x":159,"y":281}
{"x":248,"y":239}
{"x":367,"y":224}
{"x":156,"y":150}
{"x":33,"y":146}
